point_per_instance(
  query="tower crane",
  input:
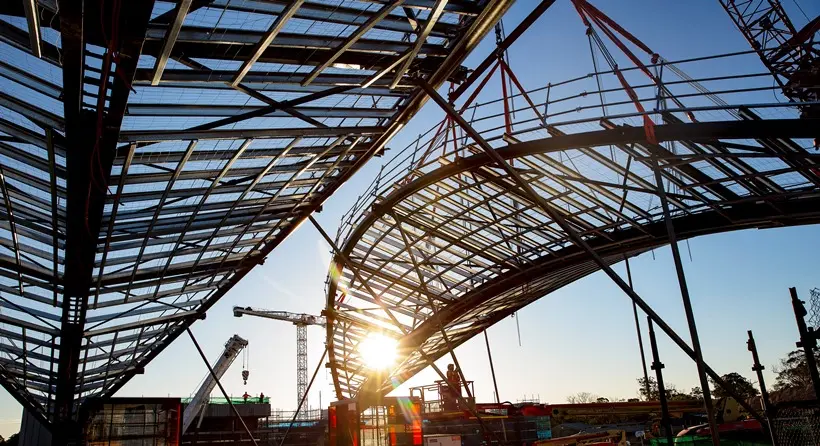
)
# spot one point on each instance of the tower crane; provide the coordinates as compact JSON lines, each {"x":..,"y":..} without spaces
{"x":232,"y":349}
{"x":301,"y":321}
{"x":792,"y":56}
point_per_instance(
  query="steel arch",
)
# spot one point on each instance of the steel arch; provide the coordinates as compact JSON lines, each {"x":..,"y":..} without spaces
{"x":439,"y":239}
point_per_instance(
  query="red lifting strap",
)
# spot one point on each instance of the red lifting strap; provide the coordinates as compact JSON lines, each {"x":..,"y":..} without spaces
{"x":648,"y":124}
{"x":600,"y":19}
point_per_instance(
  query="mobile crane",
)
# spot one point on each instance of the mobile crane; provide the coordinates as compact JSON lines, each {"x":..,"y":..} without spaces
{"x":200,"y":400}
{"x":301,"y":321}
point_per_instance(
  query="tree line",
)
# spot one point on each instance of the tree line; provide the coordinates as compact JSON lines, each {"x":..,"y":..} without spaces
{"x":792,"y":382}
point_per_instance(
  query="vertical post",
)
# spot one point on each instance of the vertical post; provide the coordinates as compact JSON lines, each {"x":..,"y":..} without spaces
{"x":808,"y":340}
{"x":764,"y":394}
{"x":687,"y":304}
{"x":657,"y":366}
{"x":638,"y":329}
{"x":492,"y":369}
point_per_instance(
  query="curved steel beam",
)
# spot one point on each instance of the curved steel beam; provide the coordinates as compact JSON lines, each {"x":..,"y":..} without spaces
{"x":571,"y":263}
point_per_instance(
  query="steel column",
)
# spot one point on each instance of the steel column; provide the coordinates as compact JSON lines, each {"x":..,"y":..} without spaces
{"x":492,"y":368}
{"x":658,"y":366}
{"x":808,"y":341}
{"x":638,"y":330}
{"x":84,"y":211}
{"x":687,"y":303}
{"x":79,"y":250}
{"x":764,"y":394}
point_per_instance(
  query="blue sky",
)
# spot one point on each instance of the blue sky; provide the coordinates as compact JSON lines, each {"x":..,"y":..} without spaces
{"x":580,"y":338}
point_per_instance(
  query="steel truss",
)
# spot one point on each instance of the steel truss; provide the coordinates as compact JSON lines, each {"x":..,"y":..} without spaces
{"x":450,"y":240}
{"x":152,"y":154}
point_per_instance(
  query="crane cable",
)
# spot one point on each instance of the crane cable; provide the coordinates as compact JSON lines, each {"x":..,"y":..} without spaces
{"x":587,"y":13}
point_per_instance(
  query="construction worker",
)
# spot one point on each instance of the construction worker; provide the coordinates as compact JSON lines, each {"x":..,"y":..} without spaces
{"x":453,"y":379}
{"x":246,"y":396}
{"x":261,"y":397}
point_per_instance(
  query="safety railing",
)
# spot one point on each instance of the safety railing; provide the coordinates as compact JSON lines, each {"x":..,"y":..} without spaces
{"x":578,"y":105}
{"x":234,"y":400}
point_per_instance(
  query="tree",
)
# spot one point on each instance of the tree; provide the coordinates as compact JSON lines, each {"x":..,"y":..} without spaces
{"x":742,"y":386}
{"x":672,"y":392}
{"x":654,"y":394}
{"x":582,"y":397}
{"x":696,"y":393}
{"x":793,"y":372}
{"x":601,"y":399}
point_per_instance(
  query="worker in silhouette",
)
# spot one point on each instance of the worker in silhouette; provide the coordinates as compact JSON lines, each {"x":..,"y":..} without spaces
{"x":453,"y":379}
{"x":452,"y":389}
{"x":261,"y":397}
{"x":246,"y":396}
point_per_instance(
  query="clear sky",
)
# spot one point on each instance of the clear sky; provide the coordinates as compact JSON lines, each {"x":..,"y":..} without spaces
{"x":580,"y":338}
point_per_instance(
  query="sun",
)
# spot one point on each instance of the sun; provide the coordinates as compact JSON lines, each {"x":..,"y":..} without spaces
{"x":378,"y":351}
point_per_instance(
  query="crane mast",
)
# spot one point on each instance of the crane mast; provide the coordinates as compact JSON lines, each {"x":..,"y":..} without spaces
{"x":232,"y":349}
{"x":791,"y":56}
{"x":301,"y":321}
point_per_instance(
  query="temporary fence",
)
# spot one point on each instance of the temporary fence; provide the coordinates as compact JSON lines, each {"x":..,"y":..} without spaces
{"x":797,"y":425}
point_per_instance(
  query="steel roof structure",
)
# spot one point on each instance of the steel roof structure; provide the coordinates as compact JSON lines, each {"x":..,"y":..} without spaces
{"x":448,"y":242}
{"x":152,"y":153}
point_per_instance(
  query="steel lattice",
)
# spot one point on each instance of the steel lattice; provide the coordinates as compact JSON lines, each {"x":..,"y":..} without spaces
{"x":224,"y":123}
{"x":446,"y":242}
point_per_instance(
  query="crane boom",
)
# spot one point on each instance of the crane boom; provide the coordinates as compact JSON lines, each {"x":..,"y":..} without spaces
{"x":792,"y":56}
{"x":294,"y":318}
{"x":301,"y":321}
{"x":232,"y":348}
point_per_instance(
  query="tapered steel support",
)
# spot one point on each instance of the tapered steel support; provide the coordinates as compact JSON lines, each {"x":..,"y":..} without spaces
{"x":764,"y":394}
{"x":687,"y":304}
{"x":556,"y":215}
{"x":808,"y":341}
{"x":638,"y":330}
{"x":658,"y":366}
{"x":492,"y":368}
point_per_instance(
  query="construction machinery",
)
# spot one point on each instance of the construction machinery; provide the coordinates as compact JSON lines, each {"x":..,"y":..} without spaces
{"x":200,"y":400}
{"x":301,"y":321}
{"x":791,"y":55}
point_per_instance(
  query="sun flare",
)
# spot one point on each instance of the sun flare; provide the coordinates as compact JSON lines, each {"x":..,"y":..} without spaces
{"x":378,"y":351}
